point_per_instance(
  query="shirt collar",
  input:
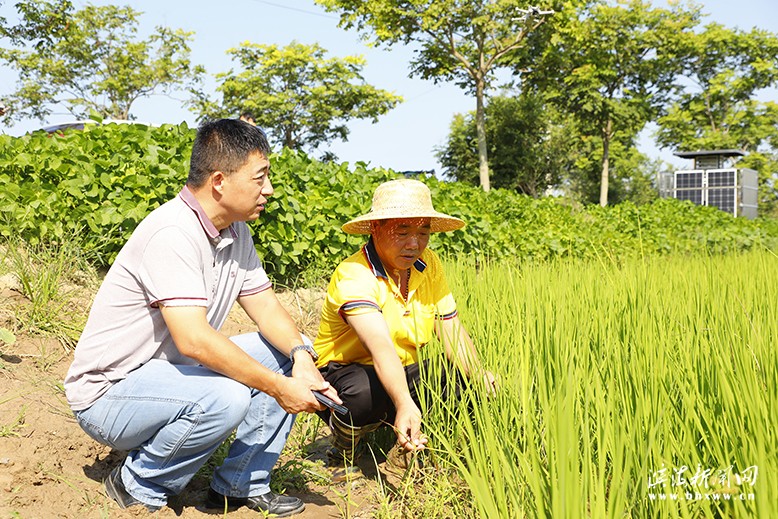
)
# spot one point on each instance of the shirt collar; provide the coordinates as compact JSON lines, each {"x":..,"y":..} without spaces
{"x":208,"y":227}
{"x":374,"y":261}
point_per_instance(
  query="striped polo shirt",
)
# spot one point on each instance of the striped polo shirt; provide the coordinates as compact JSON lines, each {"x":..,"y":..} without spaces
{"x":175,"y":257}
{"x":360,"y":285}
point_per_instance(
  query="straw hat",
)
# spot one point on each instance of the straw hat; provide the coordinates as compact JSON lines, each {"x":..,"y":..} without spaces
{"x":403,"y":198}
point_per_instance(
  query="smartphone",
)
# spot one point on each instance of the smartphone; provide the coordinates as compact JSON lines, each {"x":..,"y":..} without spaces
{"x":342,"y":409}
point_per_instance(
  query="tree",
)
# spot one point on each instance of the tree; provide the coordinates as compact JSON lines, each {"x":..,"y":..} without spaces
{"x":302,"y":98}
{"x":90,"y":60}
{"x":533,"y":147}
{"x":529,"y":146}
{"x":726,"y":68}
{"x":633,"y":175}
{"x":460,"y":40}
{"x":614,"y":67}
{"x":41,"y":22}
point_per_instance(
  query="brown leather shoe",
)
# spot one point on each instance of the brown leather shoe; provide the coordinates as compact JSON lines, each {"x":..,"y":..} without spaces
{"x":342,"y":469}
{"x":400,"y":461}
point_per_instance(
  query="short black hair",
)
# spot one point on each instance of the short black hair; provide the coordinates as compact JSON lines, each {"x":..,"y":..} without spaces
{"x":224,"y":145}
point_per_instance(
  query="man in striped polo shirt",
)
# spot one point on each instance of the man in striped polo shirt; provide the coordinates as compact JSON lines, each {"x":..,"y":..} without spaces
{"x":153,"y":375}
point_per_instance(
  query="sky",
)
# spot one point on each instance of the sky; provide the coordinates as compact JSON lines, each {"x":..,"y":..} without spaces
{"x":403,"y":139}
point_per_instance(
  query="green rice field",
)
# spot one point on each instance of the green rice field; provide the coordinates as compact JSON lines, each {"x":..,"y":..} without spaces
{"x":635,"y":388}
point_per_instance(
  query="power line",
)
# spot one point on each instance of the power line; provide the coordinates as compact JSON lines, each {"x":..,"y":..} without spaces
{"x":416,"y":96}
{"x":281,"y":6}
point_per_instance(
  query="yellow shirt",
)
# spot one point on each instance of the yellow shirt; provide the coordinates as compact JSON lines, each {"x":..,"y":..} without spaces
{"x":360,"y":285}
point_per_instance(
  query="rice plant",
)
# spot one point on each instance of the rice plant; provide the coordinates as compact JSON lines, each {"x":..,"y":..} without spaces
{"x":641,"y":388}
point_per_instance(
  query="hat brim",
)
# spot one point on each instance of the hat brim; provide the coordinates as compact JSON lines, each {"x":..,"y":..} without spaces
{"x":439,"y":222}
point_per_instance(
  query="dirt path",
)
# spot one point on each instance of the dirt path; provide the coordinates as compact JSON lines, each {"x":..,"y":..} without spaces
{"x":50,"y":468}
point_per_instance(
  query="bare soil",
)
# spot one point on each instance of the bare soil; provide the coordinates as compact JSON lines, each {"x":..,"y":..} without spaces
{"x":50,"y":468}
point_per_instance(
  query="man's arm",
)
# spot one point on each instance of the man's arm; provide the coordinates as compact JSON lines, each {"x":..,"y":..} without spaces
{"x":461,"y":351}
{"x":272,"y":320}
{"x":373,"y":332}
{"x":196,"y":338}
{"x":277,"y":326}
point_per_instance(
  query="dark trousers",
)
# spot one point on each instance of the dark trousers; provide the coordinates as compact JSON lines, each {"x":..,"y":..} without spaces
{"x":365,"y":397}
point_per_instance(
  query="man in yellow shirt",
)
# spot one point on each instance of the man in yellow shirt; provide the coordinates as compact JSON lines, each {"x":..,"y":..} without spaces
{"x":383,"y":304}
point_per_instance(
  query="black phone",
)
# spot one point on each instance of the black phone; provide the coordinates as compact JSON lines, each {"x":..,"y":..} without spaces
{"x":342,"y":409}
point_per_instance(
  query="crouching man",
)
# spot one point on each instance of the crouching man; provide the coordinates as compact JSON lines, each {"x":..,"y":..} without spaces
{"x":152,"y":374}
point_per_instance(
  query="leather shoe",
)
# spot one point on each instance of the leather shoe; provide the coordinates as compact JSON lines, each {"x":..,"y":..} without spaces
{"x":268,"y":503}
{"x":114,"y":488}
{"x":401,"y":461}
{"x":342,"y":469}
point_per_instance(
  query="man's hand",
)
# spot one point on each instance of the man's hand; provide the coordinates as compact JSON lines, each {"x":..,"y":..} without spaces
{"x":407,"y":426}
{"x":491,"y":382}
{"x":295,"y":395}
{"x":305,"y":370}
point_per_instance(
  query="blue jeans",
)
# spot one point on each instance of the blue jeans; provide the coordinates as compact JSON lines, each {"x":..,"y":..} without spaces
{"x":171,"y":418}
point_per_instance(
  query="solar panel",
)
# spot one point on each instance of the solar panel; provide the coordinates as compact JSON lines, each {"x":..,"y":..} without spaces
{"x":724,"y":199}
{"x":694,"y":195}
{"x":730,"y":189}
{"x":722,"y":178}
{"x":687,"y":180}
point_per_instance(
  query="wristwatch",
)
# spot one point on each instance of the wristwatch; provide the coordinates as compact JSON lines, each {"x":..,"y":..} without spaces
{"x":304,"y":347}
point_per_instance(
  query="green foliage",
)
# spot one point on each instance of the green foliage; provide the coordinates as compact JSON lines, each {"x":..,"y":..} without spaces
{"x":613,"y":67}
{"x":503,"y":225}
{"x":727,"y":67}
{"x":91,"y":60}
{"x":42,"y":23}
{"x":632,"y":176}
{"x":528,"y":148}
{"x":299,"y":96}
{"x":300,"y":228}
{"x":462,"y":41}
{"x":533,"y":146}
{"x":97,"y":184}
{"x":625,"y":87}
{"x":100,"y":183}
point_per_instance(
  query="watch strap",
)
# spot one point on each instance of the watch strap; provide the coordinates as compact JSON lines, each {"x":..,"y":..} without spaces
{"x":304,"y":347}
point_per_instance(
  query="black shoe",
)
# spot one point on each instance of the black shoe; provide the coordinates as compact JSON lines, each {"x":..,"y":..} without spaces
{"x":114,"y":488}
{"x":268,"y":503}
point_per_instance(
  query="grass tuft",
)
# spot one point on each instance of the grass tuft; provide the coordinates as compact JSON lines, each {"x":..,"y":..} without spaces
{"x":52,"y":279}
